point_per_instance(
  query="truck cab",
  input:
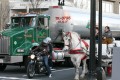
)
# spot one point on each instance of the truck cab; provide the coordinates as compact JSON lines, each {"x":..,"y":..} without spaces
{"x":16,"y":41}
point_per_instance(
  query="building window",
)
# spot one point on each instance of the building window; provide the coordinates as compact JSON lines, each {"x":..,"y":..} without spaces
{"x":119,"y":8}
{"x":26,"y":0}
{"x":82,"y":4}
{"x":107,"y":6}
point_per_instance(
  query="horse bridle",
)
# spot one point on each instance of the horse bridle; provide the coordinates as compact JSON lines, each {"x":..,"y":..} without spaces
{"x":68,"y":33}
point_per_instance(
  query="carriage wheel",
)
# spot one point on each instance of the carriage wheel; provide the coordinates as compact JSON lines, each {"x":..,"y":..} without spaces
{"x":103,"y":74}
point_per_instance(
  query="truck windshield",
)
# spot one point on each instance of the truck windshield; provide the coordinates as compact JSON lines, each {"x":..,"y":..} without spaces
{"x":23,"y":21}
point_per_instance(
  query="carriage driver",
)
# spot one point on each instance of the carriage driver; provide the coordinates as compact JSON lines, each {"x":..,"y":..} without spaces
{"x":107,"y":36}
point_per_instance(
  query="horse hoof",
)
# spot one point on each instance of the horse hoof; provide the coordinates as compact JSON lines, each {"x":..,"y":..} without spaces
{"x":76,"y":78}
{"x":82,"y":76}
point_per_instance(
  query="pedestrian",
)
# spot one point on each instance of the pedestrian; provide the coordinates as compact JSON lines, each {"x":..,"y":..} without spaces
{"x":50,"y":52}
{"x":107,"y":36}
{"x":96,"y":34}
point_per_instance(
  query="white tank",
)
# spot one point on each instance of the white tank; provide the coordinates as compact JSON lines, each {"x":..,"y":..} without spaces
{"x":74,"y":19}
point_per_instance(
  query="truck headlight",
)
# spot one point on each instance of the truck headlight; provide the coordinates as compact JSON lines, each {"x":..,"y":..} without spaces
{"x":32,"y":56}
{"x":20,"y":50}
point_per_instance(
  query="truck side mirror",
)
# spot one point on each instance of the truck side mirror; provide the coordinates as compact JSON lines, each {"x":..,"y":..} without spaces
{"x":46,"y":22}
{"x":46,"y":27}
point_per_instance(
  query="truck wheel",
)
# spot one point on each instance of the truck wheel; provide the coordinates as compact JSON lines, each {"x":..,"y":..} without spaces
{"x":68,"y":62}
{"x":2,"y":67}
{"x":26,"y":61}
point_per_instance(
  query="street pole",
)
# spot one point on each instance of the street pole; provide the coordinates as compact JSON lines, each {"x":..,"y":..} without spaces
{"x":92,"y":40}
{"x":0,"y":15}
{"x":99,"y":70}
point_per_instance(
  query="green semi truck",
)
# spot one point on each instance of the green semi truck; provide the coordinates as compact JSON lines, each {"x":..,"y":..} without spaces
{"x":25,"y":31}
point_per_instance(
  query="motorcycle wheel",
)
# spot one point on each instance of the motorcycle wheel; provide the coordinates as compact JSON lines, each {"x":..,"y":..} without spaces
{"x":30,"y":70}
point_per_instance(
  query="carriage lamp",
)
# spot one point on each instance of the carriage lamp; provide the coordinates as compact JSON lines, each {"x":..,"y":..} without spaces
{"x":32,"y":56}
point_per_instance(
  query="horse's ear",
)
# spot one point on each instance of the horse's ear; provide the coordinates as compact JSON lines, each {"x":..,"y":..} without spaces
{"x":63,"y":33}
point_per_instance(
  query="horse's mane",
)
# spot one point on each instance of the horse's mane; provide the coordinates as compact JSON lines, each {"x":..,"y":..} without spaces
{"x":78,"y":35}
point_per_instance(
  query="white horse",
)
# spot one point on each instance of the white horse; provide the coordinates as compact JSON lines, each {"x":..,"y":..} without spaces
{"x":78,"y":51}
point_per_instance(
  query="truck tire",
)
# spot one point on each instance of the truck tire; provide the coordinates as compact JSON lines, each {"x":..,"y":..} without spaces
{"x":26,"y":61}
{"x":68,"y":62}
{"x":2,"y":67}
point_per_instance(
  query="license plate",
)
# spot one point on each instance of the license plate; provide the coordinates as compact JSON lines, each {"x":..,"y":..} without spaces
{"x":1,"y":60}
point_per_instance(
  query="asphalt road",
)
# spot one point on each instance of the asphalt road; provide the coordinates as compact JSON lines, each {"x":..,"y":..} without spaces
{"x":17,"y":73}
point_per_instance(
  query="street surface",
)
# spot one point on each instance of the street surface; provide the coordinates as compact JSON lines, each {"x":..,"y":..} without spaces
{"x":17,"y":73}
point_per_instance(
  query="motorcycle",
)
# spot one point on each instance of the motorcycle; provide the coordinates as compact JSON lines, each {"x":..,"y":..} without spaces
{"x":35,"y":65}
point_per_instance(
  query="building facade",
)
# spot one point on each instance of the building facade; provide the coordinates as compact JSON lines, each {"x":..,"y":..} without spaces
{"x":4,"y":13}
{"x":109,"y":6}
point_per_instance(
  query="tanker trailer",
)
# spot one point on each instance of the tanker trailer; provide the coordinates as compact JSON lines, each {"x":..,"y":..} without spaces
{"x":64,"y":18}
{"x":74,"y":19}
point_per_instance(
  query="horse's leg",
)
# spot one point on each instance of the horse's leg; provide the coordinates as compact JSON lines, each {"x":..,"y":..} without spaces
{"x":85,"y":70}
{"x":73,"y":60}
{"x":76,"y":62}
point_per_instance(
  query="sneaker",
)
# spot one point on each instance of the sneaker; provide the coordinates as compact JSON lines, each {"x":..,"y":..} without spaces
{"x":50,"y":75}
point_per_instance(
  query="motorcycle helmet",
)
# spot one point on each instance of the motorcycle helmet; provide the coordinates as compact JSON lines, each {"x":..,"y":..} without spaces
{"x":45,"y":41}
{"x":48,"y":39}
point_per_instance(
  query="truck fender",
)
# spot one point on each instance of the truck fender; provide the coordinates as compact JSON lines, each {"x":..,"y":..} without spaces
{"x":33,"y":45}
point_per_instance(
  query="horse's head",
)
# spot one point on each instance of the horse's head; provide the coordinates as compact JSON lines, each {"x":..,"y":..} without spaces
{"x":66,"y":39}
{"x":71,"y":40}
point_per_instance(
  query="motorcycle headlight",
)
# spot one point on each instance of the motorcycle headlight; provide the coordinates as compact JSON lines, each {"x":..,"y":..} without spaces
{"x":32,"y":56}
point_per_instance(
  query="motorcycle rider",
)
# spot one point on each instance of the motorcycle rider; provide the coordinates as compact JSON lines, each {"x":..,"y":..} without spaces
{"x":44,"y":46}
{"x":50,"y":52}
{"x":45,"y":54}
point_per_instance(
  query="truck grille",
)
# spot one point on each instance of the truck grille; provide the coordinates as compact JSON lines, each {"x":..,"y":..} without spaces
{"x":4,"y":45}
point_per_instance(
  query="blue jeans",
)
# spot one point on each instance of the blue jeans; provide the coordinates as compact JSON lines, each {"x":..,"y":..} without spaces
{"x":45,"y":60}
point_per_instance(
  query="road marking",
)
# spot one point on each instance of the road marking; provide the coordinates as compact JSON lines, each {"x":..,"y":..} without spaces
{"x":15,"y":78}
{"x":54,"y":71}
{"x":62,"y":70}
